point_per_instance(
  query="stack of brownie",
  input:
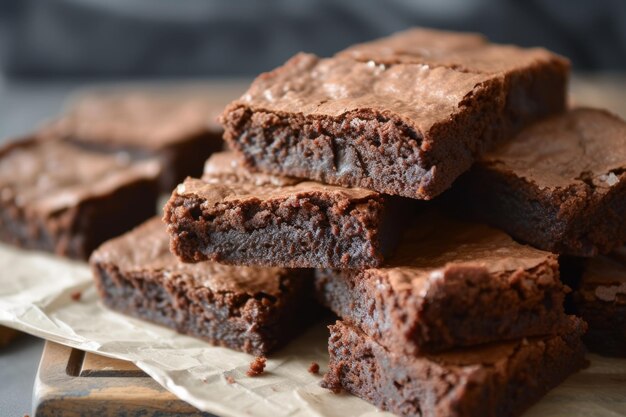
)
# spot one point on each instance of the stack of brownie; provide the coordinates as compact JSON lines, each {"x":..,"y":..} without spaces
{"x":439,"y":316}
{"x":561,"y":186}
{"x":451,"y":307}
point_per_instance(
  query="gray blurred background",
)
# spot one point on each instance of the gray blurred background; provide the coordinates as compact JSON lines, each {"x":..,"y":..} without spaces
{"x":182,"y":38}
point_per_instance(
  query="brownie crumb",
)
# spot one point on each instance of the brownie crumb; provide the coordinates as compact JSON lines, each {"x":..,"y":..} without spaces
{"x":257,"y":366}
{"x":331,"y":381}
{"x":230,"y":379}
{"x":76,"y":295}
{"x":314,"y":368}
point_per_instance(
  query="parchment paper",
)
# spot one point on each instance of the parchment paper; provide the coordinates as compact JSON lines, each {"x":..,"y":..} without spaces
{"x":35,"y":297}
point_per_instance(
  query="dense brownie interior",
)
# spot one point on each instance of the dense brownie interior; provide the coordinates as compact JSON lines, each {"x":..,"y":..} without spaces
{"x":407,"y":126}
{"x":236,"y":217}
{"x":450,"y":284}
{"x":254,"y":310}
{"x":493,"y":380}
{"x":560,"y":185}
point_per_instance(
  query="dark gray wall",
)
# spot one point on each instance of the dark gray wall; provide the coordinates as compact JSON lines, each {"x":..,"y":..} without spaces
{"x":244,"y":37}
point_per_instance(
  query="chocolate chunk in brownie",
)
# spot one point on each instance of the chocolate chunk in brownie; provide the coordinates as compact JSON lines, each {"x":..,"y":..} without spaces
{"x":600,"y":299}
{"x":493,"y":380}
{"x":236,"y":217}
{"x":254,"y":310}
{"x":59,"y":197}
{"x":449,"y":284}
{"x":560,"y":185}
{"x":179,"y":128}
{"x":393,"y":118}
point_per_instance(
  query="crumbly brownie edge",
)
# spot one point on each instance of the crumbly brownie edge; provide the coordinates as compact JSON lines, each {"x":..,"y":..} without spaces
{"x":428,"y":388}
{"x":75,"y":232}
{"x":469,"y":308}
{"x":299,"y":232}
{"x":576,"y":221}
{"x":257,"y":325}
{"x":375,"y":151}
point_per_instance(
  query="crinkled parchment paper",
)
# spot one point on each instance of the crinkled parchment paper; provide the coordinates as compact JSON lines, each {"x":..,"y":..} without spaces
{"x":35,"y":296}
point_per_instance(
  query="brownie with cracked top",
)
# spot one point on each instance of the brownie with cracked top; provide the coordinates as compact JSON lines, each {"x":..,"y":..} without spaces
{"x":502,"y":379}
{"x":254,"y":310}
{"x":237,"y":217}
{"x":404,"y":115}
{"x":560,"y":185}
{"x":180,"y":128}
{"x":59,"y":197}
{"x":600,"y":299}
{"x":449,"y":284}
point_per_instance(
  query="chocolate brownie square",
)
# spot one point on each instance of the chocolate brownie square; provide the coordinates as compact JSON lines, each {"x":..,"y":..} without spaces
{"x":180,"y":128}
{"x":502,"y":379}
{"x":560,"y":185}
{"x":236,"y":217}
{"x":449,"y":284}
{"x":254,"y":310}
{"x":59,"y":197}
{"x":600,"y":299}
{"x":404,"y":121}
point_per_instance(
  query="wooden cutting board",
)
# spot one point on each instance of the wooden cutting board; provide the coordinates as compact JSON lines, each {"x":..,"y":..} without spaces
{"x":72,"y":383}
{"x":7,"y":335}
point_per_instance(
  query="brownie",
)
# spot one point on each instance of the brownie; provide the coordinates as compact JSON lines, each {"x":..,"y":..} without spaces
{"x":396,"y":119}
{"x":179,"y":128}
{"x":254,"y":310}
{"x":236,"y":217}
{"x":494,"y":380}
{"x":560,"y":185}
{"x":61,"y":198}
{"x":600,"y":299}
{"x":449,"y":284}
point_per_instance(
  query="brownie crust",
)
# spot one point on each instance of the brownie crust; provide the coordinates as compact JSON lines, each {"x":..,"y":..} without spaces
{"x":494,"y":380}
{"x":254,"y":310}
{"x":54,"y":196}
{"x":450,"y":284}
{"x":560,"y":185}
{"x":394,"y":124}
{"x":236,"y":217}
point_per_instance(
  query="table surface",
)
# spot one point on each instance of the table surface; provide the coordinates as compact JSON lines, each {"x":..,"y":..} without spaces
{"x":25,"y":105}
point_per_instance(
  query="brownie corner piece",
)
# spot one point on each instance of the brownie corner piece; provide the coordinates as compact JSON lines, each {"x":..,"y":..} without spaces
{"x":502,"y":379}
{"x":449,"y":284}
{"x":254,"y":310}
{"x":61,"y":198}
{"x":403,"y":124}
{"x":559,"y":185}
{"x":237,"y":217}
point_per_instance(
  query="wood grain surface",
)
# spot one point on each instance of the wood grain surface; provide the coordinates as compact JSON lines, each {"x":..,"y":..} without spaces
{"x":7,"y":335}
{"x":72,"y":383}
